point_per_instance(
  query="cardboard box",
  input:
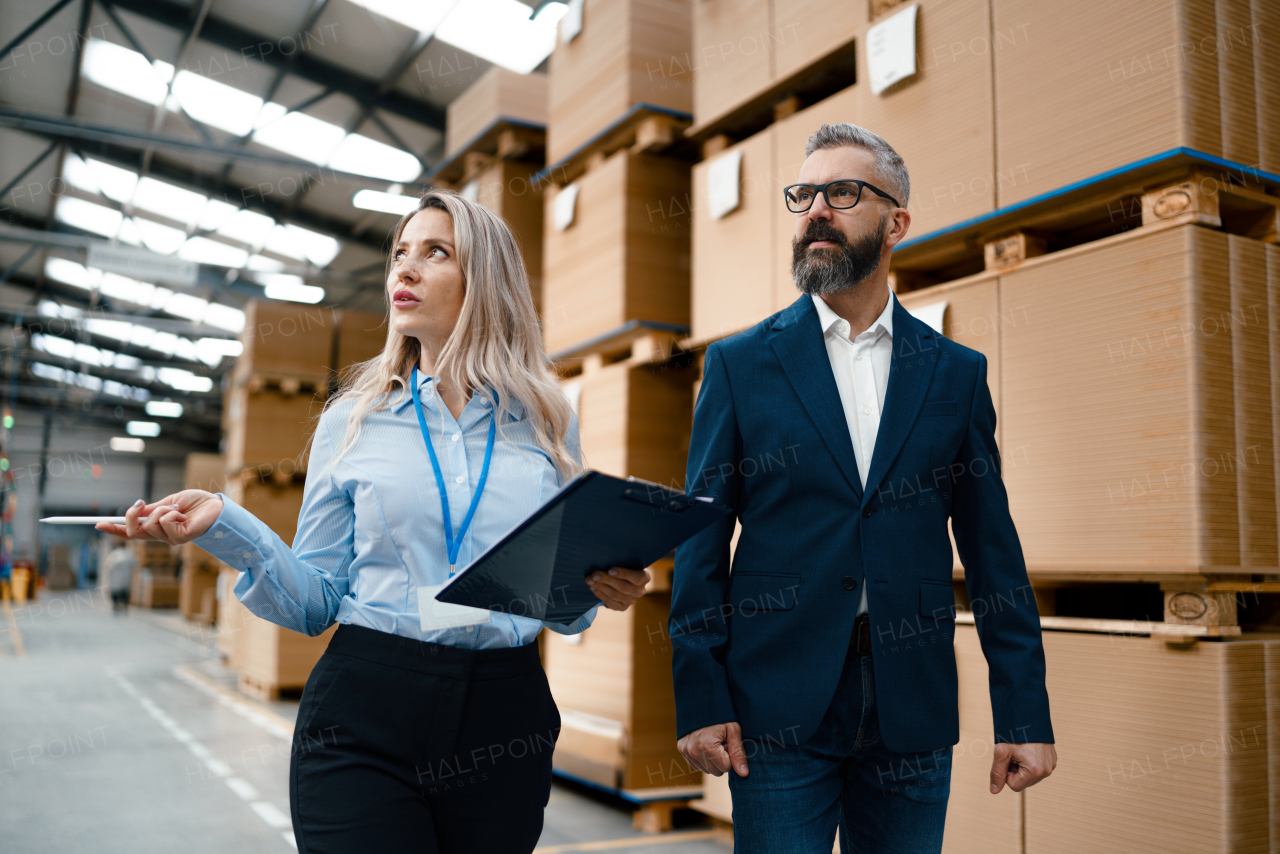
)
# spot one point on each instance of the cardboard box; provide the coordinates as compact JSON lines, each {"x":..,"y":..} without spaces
{"x":628,"y":52}
{"x":498,"y":94}
{"x":269,"y":428}
{"x":157,"y":591}
{"x":231,"y":614}
{"x":286,"y":339}
{"x":1158,"y":745}
{"x":159,"y":557}
{"x":635,"y":419}
{"x":1119,"y":437}
{"x":277,"y":505}
{"x":1124,"y":88}
{"x":204,"y":471}
{"x":626,"y":254}
{"x":737,"y":275}
{"x":361,"y":336}
{"x":744,"y":48}
{"x":276,"y":658}
{"x":977,"y":821}
{"x":195,"y":582}
{"x":506,"y":189}
{"x":613,"y":685}
{"x":1265,"y":19}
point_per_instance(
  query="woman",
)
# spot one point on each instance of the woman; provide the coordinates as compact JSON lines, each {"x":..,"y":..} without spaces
{"x":417,"y":730}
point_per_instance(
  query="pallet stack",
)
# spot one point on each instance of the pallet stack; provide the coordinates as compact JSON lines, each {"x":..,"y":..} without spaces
{"x":292,"y":356}
{"x":615,"y":299}
{"x":198,"y":575}
{"x":1112,"y":250}
{"x":155,"y":574}
{"x":496,"y":140}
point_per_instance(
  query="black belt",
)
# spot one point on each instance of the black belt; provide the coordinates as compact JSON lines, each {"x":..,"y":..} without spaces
{"x":860,"y":642}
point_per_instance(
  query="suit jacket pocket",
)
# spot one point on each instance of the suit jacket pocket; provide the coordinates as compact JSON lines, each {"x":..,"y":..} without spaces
{"x":938,"y":407}
{"x":750,"y":592}
{"x":937,"y":600}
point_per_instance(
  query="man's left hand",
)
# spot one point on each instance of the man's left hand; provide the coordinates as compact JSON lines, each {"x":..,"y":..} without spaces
{"x":1021,"y":765}
{"x":619,"y":588}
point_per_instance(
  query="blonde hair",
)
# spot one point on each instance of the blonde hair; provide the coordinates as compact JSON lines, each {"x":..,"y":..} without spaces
{"x":497,"y":341}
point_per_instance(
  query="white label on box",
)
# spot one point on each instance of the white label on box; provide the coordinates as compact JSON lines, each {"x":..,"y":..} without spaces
{"x":724,"y":184}
{"x":573,"y":391}
{"x":891,"y":49}
{"x":571,"y":23}
{"x":138,"y":263}
{"x":470,"y":190}
{"x":931,"y":314}
{"x":433,"y":615}
{"x":566,"y":202}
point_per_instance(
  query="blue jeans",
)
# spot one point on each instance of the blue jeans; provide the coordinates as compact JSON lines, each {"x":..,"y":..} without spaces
{"x":794,"y":796}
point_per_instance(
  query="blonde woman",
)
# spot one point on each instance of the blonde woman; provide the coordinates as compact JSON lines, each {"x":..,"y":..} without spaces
{"x":417,"y":731}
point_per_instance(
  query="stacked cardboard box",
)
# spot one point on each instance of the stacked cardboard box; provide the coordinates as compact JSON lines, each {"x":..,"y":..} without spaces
{"x":291,"y":355}
{"x":496,"y":141}
{"x":198,"y":579}
{"x":616,"y":260}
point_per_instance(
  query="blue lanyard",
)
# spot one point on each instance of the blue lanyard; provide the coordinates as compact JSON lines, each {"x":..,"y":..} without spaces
{"x":452,"y":544}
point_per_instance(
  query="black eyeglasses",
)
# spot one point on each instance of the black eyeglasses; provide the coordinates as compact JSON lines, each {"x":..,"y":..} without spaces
{"x":840,"y":195}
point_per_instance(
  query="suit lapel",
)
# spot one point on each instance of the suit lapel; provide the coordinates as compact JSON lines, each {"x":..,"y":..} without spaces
{"x":799,"y":345}
{"x":915,"y":346}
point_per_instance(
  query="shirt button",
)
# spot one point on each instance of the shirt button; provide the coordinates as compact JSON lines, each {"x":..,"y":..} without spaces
{"x":459,"y":479}
{"x":455,"y":437}
{"x":217,"y":535}
{"x":848,"y":583}
{"x":866,"y":410}
{"x":248,"y":555}
{"x":471,"y":628}
{"x":859,"y":357}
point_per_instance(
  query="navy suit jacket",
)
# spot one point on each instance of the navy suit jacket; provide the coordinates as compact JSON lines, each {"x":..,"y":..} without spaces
{"x":764,"y":645}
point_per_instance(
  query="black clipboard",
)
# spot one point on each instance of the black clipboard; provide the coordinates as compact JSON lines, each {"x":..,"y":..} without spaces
{"x":539,"y":569}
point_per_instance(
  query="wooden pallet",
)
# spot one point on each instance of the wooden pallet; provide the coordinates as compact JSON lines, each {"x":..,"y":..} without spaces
{"x":639,"y":342}
{"x":643,"y":129}
{"x":1166,"y":192}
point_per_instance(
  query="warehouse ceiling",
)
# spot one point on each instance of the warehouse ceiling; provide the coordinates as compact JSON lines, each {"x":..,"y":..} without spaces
{"x":266,"y":146}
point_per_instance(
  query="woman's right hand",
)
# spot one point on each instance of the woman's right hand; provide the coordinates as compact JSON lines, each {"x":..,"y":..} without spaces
{"x":174,"y":519}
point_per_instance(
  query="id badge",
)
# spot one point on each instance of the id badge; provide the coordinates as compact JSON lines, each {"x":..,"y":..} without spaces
{"x":434,"y":615}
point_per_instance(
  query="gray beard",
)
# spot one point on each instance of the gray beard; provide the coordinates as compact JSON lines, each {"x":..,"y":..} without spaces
{"x":830,"y":271}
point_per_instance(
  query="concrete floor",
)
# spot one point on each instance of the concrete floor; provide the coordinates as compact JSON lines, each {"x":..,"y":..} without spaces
{"x":125,"y":734}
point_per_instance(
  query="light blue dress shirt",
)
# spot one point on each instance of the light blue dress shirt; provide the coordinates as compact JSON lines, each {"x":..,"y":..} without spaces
{"x":371,"y":533}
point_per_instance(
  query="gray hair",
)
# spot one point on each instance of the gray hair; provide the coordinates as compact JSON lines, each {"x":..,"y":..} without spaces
{"x":888,"y":163}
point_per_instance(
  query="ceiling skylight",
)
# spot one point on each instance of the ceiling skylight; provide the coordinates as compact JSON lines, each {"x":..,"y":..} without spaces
{"x":500,"y":31}
{"x":217,"y":104}
{"x":126,"y":71}
{"x":291,"y":288}
{"x":127,"y":445}
{"x":295,"y":242}
{"x":392,"y":203}
{"x":168,"y":200}
{"x":503,"y":32}
{"x":159,"y":238}
{"x":87,"y":216}
{"x":213,"y":350}
{"x":206,"y":251}
{"x":215,"y":214}
{"x":300,"y":135}
{"x":247,"y":227}
{"x":224,"y":317}
{"x":94,"y":176}
{"x":164,"y":409}
{"x":149,"y":429}
{"x":184,"y":380}
{"x":364,"y":156}
{"x":264,"y":264}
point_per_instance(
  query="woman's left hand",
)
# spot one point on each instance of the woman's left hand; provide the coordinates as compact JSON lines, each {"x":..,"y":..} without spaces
{"x":619,"y":588}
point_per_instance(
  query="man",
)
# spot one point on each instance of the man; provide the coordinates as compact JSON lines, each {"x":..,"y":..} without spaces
{"x":843,"y":433}
{"x":120,"y":565}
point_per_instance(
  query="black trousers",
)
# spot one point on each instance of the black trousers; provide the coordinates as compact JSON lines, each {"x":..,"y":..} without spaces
{"x":402,"y":745}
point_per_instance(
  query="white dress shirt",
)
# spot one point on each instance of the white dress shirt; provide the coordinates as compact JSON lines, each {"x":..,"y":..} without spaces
{"x":861,"y":368}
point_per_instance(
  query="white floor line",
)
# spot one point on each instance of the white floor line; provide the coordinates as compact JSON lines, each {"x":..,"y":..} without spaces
{"x":268,"y":721}
{"x":288,"y":837}
{"x":266,"y":810}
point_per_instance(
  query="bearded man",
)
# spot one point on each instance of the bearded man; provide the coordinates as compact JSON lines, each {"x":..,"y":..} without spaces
{"x":819,"y":669}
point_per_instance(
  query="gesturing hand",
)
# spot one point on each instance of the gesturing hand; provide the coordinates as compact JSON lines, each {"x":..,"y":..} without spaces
{"x":619,"y":588}
{"x":714,"y":749}
{"x":1021,"y":765}
{"x":174,"y":519}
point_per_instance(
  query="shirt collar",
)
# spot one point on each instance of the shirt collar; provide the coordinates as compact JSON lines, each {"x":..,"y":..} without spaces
{"x":828,"y":319}
{"x":404,"y":400}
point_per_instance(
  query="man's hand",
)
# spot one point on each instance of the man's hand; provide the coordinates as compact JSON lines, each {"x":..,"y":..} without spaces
{"x":1021,"y":765}
{"x":619,"y":588}
{"x":175,"y":519}
{"x":713,"y":749}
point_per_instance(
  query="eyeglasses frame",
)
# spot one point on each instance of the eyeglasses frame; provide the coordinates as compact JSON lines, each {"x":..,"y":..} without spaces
{"x":822,"y":188}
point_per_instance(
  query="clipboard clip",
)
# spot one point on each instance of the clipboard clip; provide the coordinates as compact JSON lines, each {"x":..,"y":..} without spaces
{"x":657,"y":495}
